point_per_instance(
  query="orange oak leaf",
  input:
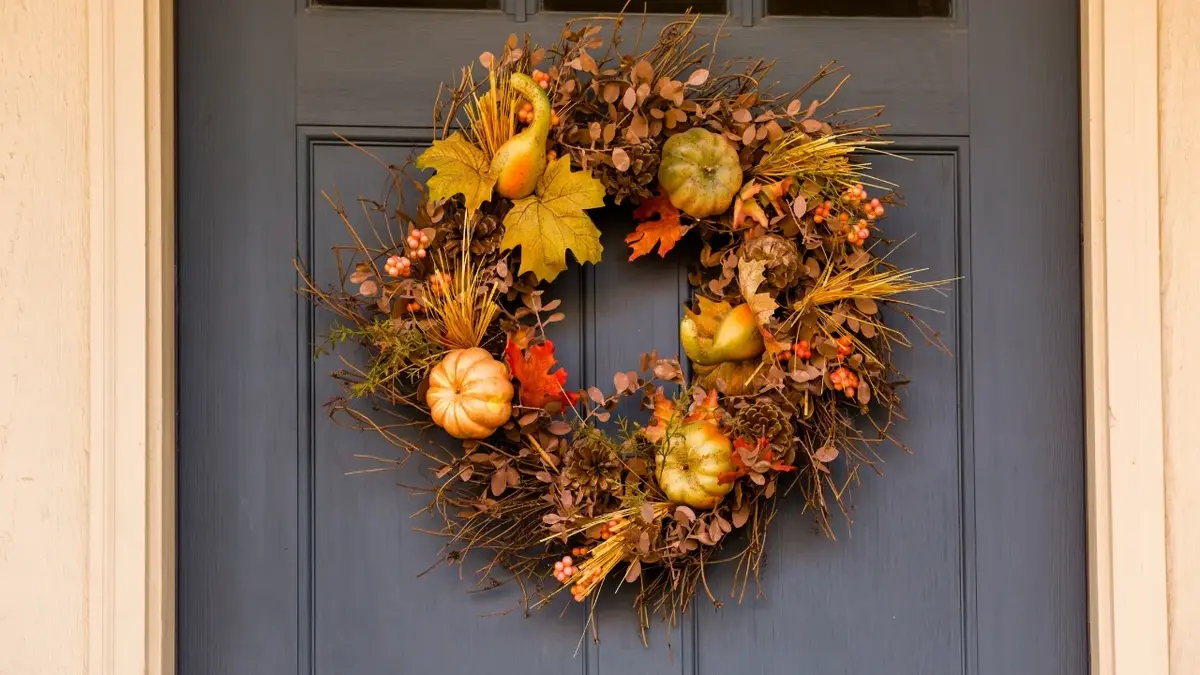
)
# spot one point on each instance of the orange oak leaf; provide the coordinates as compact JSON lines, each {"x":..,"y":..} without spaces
{"x":664,"y":411}
{"x":666,"y":230}
{"x":745,"y":207}
{"x":540,"y":388}
{"x":775,"y":192}
{"x":706,"y":409}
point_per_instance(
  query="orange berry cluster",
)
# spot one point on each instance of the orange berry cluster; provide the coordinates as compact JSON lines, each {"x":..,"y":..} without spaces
{"x":564,"y":569}
{"x":418,"y":241}
{"x":440,"y":280}
{"x":858,"y":195}
{"x":413,"y":307}
{"x":613,"y":526}
{"x":579,"y":591}
{"x":802,"y":350}
{"x":822,"y":212}
{"x":844,"y":380}
{"x":525,"y":114}
{"x":845,"y":346}
{"x":398,"y":266}
{"x":856,"y":234}
{"x":542,"y":78}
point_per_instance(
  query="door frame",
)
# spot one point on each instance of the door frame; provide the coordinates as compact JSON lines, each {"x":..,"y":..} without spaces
{"x":131,"y":505}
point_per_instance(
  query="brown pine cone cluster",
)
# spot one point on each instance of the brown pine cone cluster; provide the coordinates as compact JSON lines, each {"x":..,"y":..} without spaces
{"x":764,"y":419}
{"x":781,"y":255}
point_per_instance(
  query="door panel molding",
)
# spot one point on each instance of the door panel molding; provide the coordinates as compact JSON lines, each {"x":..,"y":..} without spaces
{"x":344,"y":76}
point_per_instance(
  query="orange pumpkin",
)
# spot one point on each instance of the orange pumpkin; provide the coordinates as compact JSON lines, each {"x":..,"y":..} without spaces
{"x":690,"y":467}
{"x":470,"y":394}
{"x":700,"y":172}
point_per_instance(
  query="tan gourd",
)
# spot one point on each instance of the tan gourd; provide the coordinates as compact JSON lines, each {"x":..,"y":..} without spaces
{"x":470,"y":394}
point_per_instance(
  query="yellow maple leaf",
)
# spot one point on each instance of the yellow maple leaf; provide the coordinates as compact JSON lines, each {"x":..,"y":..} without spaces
{"x":552,"y":220}
{"x":751,"y":274}
{"x":461,"y":168}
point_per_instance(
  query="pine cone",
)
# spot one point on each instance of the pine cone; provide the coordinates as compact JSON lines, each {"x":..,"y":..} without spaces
{"x":781,"y":255}
{"x":591,"y":466}
{"x":764,"y":419}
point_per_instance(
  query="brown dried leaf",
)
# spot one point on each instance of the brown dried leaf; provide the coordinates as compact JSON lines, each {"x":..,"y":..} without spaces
{"x":864,"y":393}
{"x":610,"y":132}
{"x":559,"y":428}
{"x":698,"y":77}
{"x":826,"y":454}
{"x":612,"y":92}
{"x":793,"y":107}
{"x":810,"y":126}
{"x":595,"y":394}
{"x":741,"y":515}
{"x":647,"y":513}
{"x":498,"y":483}
{"x":620,"y":159}
{"x":866,"y":305}
{"x":684,"y":512}
{"x":635,"y":570}
{"x":368,"y":288}
{"x":621,"y":382}
{"x":629,"y":100}
{"x":742,"y":116}
{"x":487,"y":59}
{"x":643,"y":71}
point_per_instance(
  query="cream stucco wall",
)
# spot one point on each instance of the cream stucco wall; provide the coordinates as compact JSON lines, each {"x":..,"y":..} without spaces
{"x":1179,"y":175}
{"x":44,"y":376}
{"x":72,"y":602}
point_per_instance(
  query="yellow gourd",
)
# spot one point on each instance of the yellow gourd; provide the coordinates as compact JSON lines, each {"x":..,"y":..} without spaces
{"x":689,"y":468}
{"x":521,"y":160}
{"x":700,"y":172}
{"x":719,"y":333}
{"x":470,"y":393}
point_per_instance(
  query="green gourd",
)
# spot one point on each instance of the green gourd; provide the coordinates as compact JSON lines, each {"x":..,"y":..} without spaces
{"x":521,"y":160}
{"x":700,"y":172}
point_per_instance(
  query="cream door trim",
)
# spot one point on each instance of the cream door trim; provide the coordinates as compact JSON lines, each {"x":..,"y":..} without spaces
{"x":1127,"y":537}
{"x":131,"y":192}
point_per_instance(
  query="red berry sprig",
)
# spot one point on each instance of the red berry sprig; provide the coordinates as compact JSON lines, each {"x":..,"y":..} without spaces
{"x":398,"y":266}
{"x":418,"y":242}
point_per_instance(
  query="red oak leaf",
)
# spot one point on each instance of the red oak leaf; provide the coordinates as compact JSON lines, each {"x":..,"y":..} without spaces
{"x":746,"y":454}
{"x":665,"y":231}
{"x":540,"y":388}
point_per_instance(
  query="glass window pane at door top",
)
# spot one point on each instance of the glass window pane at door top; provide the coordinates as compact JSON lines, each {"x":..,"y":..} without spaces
{"x":423,"y":4}
{"x":895,"y":8}
{"x":636,"y":6}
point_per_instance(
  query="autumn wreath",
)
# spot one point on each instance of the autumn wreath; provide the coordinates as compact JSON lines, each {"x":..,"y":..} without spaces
{"x":789,"y":366}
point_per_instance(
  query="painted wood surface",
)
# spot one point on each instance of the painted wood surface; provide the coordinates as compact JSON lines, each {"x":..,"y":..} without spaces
{"x":966,"y":557}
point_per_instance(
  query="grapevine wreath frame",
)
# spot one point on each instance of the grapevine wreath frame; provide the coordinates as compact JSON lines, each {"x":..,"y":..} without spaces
{"x":791,"y":370}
